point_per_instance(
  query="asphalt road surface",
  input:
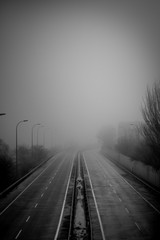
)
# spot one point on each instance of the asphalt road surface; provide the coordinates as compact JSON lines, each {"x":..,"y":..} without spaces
{"x":35,"y":213}
{"x":128,"y":208}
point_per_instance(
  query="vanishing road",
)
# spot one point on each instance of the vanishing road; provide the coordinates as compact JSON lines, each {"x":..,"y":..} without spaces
{"x":126,"y":207}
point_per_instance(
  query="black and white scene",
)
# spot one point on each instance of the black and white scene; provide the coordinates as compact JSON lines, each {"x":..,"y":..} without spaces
{"x":80,"y":120}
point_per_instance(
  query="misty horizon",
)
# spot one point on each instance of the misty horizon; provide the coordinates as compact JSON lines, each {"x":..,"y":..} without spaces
{"x":75,"y":68}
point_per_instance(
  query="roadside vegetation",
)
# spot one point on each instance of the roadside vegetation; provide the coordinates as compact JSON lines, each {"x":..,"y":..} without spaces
{"x":144,"y":144}
{"x":138,"y":150}
{"x":27,"y":160}
{"x":7,"y":169}
{"x":146,"y":147}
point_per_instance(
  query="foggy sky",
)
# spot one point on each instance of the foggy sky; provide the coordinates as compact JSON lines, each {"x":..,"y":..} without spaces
{"x":75,"y":66}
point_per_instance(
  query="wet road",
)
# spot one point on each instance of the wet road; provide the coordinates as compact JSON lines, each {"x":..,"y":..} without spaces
{"x":35,"y":213}
{"x":128,"y":209}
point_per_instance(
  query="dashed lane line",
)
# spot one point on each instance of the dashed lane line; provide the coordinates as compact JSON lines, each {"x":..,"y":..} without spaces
{"x":127,"y":210}
{"x":150,"y":204}
{"x":26,"y":187}
{"x":120,"y":199}
{"x":36,"y":205}
{"x":29,"y":216}
{"x":141,"y":180}
{"x":137,"y":226}
{"x":95,"y":202}
{"x":28,"y":219}
{"x":18,"y":234}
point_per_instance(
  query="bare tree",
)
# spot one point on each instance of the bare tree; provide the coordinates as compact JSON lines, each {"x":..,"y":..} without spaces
{"x":151,"y":115}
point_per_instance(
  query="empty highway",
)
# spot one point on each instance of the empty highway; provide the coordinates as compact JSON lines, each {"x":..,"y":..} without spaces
{"x":125,"y":208}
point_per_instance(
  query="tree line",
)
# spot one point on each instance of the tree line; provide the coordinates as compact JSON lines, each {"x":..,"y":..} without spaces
{"x":145,"y":145}
{"x":27,"y":159}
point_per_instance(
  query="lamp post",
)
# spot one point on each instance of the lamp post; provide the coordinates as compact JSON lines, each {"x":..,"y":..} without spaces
{"x":17,"y":145}
{"x":44,"y":139}
{"x":38,"y":132}
{"x":37,"y":139}
{"x":36,"y":124}
{"x":2,"y":114}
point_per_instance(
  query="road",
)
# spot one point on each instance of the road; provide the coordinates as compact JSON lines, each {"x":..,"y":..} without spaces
{"x":128,"y":209}
{"x":35,"y":213}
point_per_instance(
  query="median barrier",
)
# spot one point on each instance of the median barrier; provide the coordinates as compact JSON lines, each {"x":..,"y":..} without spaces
{"x":141,"y":170}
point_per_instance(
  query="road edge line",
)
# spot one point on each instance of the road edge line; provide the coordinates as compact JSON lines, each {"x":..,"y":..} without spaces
{"x":64,"y":201}
{"x":150,"y":204}
{"x":99,"y":218}
{"x":26,"y":188}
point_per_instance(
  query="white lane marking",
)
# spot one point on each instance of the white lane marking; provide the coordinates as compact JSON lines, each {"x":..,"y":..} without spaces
{"x":28,"y":219}
{"x":114,"y":191}
{"x":65,"y":196}
{"x":42,"y":194}
{"x":137,"y":226}
{"x":98,"y":214}
{"x":27,"y":186}
{"x":50,"y":182}
{"x":145,"y":183}
{"x":46,"y":188}
{"x":36,"y":205}
{"x":127,"y":210}
{"x":120,"y":199}
{"x":18,"y":234}
{"x":150,"y":204}
{"x":110,"y":185}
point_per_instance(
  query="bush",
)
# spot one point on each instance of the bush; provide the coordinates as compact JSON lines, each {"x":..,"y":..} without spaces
{"x":27,"y":159}
{"x":151,"y":115}
{"x":7,"y":167}
{"x":138,"y":150}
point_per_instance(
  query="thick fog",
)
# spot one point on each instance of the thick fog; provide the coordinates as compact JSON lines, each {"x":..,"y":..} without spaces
{"x":75,"y":67}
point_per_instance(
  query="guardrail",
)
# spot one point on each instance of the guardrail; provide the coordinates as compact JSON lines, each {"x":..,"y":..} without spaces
{"x":15,"y":184}
{"x":141,"y":170}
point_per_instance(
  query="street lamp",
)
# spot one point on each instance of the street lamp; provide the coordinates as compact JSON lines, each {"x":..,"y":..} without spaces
{"x":17,"y":144}
{"x":38,"y":131}
{"x":36,"y":124}
{"x":37,"y":140}
{"x":2,"y":114}
{"x":44,"y":139}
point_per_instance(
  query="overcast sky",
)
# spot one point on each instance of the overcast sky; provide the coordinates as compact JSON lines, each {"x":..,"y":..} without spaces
{"x":75,"y":66}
